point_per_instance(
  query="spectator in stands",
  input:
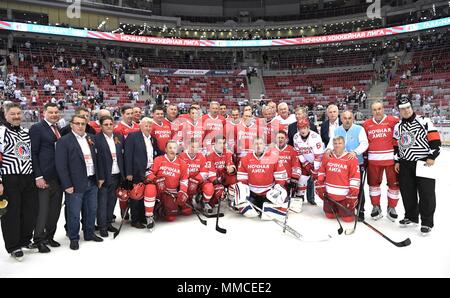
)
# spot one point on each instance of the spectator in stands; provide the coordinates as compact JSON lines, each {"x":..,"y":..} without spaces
{"x":21,"y":81}
{"x":223,"y":110}
{"x":2,"y":84}
{"x":69,"y":84}
{"x":52,"y":90}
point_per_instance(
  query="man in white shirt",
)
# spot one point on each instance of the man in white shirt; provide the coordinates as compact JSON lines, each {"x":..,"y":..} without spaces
{"x":110,"y":148}
{"x":78,"y":171}
{"x":69,"y":84}
{"x":283,"y":114}
{"x":52,"y":90}
{"x":328,"y":126}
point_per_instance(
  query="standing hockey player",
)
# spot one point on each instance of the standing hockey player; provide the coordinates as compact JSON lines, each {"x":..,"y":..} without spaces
{"x":212,"y":123}
{"x":380,"y":131}
{"x":198,"y":175}
{"x":310,"y":149}
{"x":126,"y":125}
{"x":190,"y":129}
{"x":168,"y":179}
{"x":247,"y":131}
{"x":339,"y":179}
{"x":161,"y":128}
{"x":261,"y":171}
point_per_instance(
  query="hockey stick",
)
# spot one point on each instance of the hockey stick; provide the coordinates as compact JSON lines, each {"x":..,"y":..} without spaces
{"x":341,"y":229}
{"x":403,"y":243}
{"x":121,"y":223}
{"x":289,"y":228}
{"x":203,"y":221}
{"x":363,"y":180}
{"x":219,"y":229}
{"x":287,"y":211}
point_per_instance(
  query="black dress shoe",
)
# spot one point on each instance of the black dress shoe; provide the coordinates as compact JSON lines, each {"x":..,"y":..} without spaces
{"x":43,"y":248}
{"x":74,"y":245}
{"x":53,"y":243}
{"x":112,"y":229}
{"x":104,"y":233}
{"x":138,"y":225}
{"x":312,"y":203}
{"x":94,"y":238}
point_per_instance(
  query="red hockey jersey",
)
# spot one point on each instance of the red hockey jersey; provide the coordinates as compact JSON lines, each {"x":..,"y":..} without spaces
{"x":175,"y":172}
{"x":270,"y":129}
{"x":123,"y":128}
{"x":189,"y":130}
{"x":262,"y":173}
{"x":212,"y":127}
{"x":96,"y":126}
{"x":162,"y":133}
{"x":196,"y":166}
{"x":231,"y":135}
{"x":341,"y":176}
{"x":290,"y":160}
{"x":245,"y":136}
{"x":381,"y":141}
{"x":217,"y":164}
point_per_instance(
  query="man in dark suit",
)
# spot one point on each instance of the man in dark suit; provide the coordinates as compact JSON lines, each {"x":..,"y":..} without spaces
{"x":83,"y":112}
{"x":330,"y":124}
{"x":140,"y":150}
{"x":110,"y":147}
{"x":44,"y":135}
{"x":77,"y":167}
{"x":300,"y":112}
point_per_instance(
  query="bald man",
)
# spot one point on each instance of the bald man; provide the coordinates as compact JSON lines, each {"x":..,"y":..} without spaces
{"x":356,"y":143}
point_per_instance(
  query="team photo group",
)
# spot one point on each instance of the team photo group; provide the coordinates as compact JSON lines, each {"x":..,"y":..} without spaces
{"x":169,"y":165}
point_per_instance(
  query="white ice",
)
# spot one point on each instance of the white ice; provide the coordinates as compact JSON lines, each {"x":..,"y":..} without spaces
{"x":252,"y":248}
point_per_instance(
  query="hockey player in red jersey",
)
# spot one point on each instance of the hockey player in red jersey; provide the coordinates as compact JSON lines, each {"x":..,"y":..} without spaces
{"x":190,"y":129}
{"x":221,"y":169}
{"x":247,"y":131}
{"x":172,"y":117}
{"x":126,"y":125}
{"x":212,"y":123}
{"x":290,"y":160}
{"x":231,"y":126}
{"x":167,"y":180}
{"x":380,"y":130}
{"x":198,"y":175}
{"x":339,"y":179}
{"x":161,"y":128}
{"x":269,"y":125}
{"x":261,"y":171}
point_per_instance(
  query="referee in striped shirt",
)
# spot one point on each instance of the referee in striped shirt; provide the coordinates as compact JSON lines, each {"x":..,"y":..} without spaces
{"x":417,"y":141}
{"x":17,"y":182}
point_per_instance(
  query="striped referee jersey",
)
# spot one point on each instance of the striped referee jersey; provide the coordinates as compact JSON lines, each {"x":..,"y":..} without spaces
{"x":416,"y":139}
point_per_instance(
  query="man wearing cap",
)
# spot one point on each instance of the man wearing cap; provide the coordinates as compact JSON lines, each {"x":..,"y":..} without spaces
{"x":418,"y":145}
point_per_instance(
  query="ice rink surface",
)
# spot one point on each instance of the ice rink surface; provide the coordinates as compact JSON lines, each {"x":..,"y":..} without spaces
{"x":253,"y":248}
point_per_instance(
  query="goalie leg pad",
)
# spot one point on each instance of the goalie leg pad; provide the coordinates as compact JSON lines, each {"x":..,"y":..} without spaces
{"x":271,"y":210}
{"x":296,"y":204}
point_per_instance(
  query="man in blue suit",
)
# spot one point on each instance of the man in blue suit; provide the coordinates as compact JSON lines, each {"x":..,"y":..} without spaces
{"x":110,"y":147}
{"x":77,"y":167}
{"x":140,"y":150}
{"x":44,"y":135}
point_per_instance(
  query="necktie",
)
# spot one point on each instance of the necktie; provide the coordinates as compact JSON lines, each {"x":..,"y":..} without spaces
{"x":55,"y":130}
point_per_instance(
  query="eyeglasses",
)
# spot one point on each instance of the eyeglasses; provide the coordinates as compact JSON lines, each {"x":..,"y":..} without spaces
{"x":79,"y":123}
